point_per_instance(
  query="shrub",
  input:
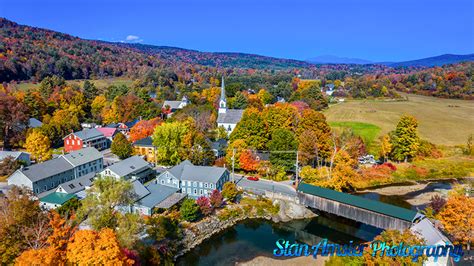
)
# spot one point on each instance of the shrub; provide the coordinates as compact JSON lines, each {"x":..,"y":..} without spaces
{"x":204,"y":205}
{"x":227,"y":214}
{"x":230,"y":191}
{"x":189,"y":210}
{"x":216,"y":199}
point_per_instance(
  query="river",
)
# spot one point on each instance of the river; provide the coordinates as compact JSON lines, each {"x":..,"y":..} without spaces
{"x":252,"y":238}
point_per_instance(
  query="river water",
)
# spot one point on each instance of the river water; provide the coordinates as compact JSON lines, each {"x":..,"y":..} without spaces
{"x":253,"y":238}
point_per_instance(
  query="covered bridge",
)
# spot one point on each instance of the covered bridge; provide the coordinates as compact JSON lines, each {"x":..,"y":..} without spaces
{"x":371,"y":212}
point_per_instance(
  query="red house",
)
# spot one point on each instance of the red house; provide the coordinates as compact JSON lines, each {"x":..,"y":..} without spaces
{"x":85,"y":138}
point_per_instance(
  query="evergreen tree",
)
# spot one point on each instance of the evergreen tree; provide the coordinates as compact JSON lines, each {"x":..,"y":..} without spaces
{"x":240,"y":102}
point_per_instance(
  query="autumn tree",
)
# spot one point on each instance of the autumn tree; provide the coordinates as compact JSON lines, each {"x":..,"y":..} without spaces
{"x":405,"y":139}
{"x":248,"y":161}
{"x":230,"y":191}
{"x":280,"y":116}
{"x":22,"y":224}
{"x":38,"y":145}
{"x":8,"y":166}
{"x":168,"y":139}
{"x":235,"y":148}
{"x":13,"y":115}
{"x":121,"y":146}
{"x":215,"y":199}
{"x":144,"y":128}
{"x":314,"y":135}
{"x":189,"y":210}
{"x":160,"y":227}
{"x":89,"y":247}
{"x":385,"y":147}
{"x":457,"y":218}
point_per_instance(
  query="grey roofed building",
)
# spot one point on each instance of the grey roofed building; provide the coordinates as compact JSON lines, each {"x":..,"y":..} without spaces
{"x":83,"y":156}
{"x":46,"y":169}
{"x":77,"y":184}
{"x":172,"y":104}
{"x":139,"y":190}
{"x":231,"y":116}
{"x":177,"y":170}
{"x":34,"y":123}
{"x":128,"y":166}
{"x":203,"y":173}
{"x":16,"y":155}
{"x":158,"y":193}
{"x":89,"y":133}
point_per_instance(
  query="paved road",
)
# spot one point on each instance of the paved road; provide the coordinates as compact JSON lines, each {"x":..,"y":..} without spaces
{"x":263,"y":184}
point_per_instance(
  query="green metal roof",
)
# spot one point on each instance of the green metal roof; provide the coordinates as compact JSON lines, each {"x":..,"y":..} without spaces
{"x":57,"y":198}
{"x":363,"y":203}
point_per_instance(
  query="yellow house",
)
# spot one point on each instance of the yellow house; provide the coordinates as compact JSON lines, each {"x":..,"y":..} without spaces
{"x":144,"y":147}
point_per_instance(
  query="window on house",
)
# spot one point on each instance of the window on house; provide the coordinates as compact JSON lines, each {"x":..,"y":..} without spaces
{"x":189,"y":190}
{"x":195,"y":191}
{"x":162,"y":181}
{"x":200,"y":184}
{"x":205,"y":185}
{"x":201,"y":192}
{"x":189,"y":183}
{"x":71,"y":186}
{"x":194,"y":184}
{"x":211,"y":185}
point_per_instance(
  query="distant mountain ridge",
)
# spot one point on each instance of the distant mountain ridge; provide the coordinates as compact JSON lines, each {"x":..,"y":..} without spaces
{"x":332,"y":59}
{"x":434,"y":61}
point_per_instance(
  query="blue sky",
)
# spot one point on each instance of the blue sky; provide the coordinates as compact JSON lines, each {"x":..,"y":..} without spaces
{"x":377,"y":30}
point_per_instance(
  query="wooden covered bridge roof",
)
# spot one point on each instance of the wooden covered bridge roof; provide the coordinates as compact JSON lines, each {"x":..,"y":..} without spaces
{"x":360,"y":202}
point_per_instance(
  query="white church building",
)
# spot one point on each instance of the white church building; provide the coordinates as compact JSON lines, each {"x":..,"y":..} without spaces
{"x":227,"y":118}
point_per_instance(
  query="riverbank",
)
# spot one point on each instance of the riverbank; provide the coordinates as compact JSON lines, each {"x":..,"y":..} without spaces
{"x":264,"y":261}
{"x":196,"y":233}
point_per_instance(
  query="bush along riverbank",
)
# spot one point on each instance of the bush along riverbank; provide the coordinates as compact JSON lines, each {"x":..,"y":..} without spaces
{"x":248,"y":208}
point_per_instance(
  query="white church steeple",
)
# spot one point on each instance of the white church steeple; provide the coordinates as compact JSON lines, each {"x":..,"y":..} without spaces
{"x":222,"y":101}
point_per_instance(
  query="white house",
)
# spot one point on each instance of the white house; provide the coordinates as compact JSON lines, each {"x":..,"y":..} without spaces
{"x":131,"y":168}
{"x":227,"y":118}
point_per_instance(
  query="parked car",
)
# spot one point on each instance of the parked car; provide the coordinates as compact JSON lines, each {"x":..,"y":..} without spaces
{"x":252,"y":178}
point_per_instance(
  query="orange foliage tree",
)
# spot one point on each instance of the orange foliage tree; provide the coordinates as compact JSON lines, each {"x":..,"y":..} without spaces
{"x":457,"y":218}
{"x":89,"y":247}
{"x":248,"y":161}
{"x":144,"y":128}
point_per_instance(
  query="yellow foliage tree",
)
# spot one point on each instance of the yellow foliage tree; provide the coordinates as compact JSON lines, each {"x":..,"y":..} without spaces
{"x":457,"y":218}
{"x":385,"y":146}
{"x":38,"y":145}
{"x":88,"y":247}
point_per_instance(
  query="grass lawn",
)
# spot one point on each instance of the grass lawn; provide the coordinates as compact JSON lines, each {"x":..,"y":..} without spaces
{"x":441,"y":121}
{"x":368,"y":132}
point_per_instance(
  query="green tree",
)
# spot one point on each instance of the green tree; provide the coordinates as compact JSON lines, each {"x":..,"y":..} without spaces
{"x":168,"y":139}
{"x":240,"y":101}
{"x":121,"y":146}
{"x":230,"y":191}
{"x":283,"y":149}
{"x":90,"y":90}
{"x":162,"y":227}
{"x":129,"y":227}
{"x":106,"y":194}
{"x":405,"y":139}
{"x":189,"y":210}
{"x":251,"y":129}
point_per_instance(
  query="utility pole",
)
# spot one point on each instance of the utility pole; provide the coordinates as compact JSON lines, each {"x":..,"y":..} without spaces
{"x":233,"y":164}
{"x":297,"y":168}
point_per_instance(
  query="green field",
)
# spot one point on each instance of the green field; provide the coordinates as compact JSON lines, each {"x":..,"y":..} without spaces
{"x":441,"y":121}
{"x":368,"y":132}
{"x":99,"y":83}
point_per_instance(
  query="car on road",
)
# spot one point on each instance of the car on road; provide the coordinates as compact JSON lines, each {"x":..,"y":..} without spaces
{"x":252,"y":178}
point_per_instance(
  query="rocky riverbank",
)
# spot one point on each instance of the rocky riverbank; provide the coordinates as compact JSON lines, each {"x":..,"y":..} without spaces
{"x":195,"y":233}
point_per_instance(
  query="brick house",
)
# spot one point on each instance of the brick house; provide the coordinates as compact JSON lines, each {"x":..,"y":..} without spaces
{"x":85,"y":138}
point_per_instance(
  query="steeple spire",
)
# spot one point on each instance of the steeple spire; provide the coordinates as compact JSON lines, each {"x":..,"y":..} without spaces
{"x":222,"y":101}
{"x":222,"y":90}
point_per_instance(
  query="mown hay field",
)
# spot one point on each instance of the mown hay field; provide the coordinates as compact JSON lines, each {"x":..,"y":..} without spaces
{"x":441,"y":121}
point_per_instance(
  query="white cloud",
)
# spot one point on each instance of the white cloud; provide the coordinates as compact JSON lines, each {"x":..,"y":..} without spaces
{"x":132,"y":38}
